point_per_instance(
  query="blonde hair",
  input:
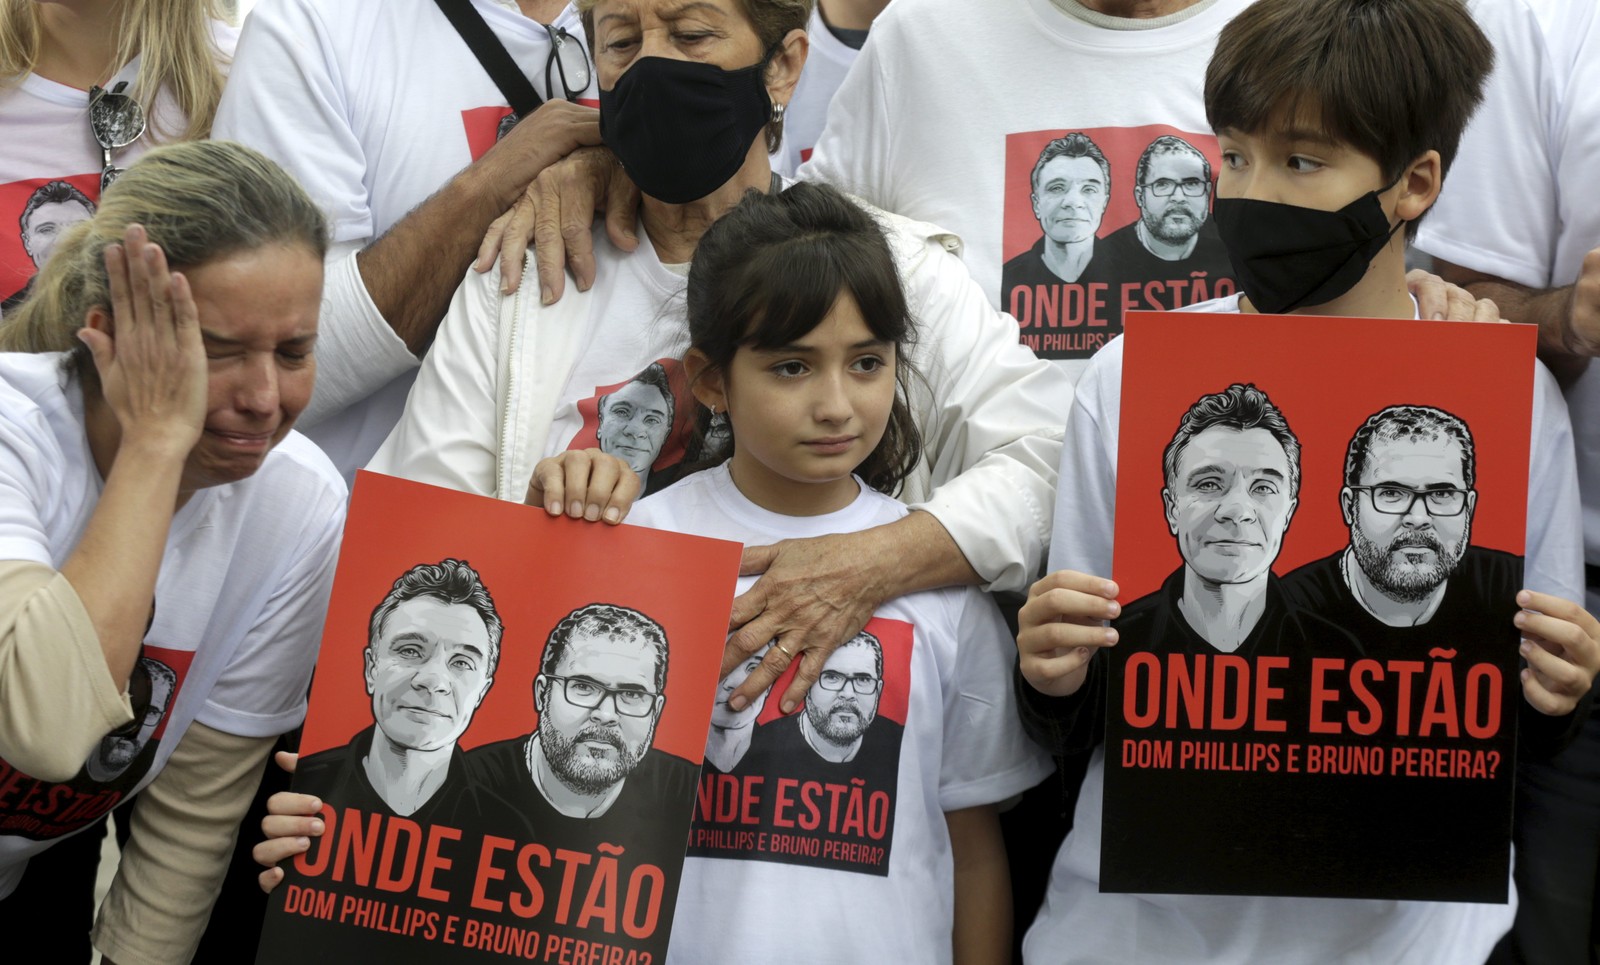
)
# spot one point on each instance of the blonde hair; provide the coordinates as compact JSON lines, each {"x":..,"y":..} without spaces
{"x":200,"y":201}
{"x":772,"y":20}
{"x":172,"y":39}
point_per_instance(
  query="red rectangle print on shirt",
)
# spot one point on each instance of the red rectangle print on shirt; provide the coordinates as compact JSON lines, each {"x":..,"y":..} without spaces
{"x":816,"y":787}
{"x":1104,"y":221}
{"x":34,"y":214}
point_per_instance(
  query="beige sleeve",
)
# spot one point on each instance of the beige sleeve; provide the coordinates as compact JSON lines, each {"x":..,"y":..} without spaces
{"x":57,"y":698}
{"x":184,"y":825}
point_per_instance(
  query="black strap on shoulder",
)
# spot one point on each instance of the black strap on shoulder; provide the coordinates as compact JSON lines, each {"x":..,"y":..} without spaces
{"x":492,"y":54}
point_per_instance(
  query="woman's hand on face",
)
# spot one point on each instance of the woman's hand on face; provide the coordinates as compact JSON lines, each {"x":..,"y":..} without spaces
{"x":555,"y":212}
{"x":584,"y":484}
{"x":150,"y":358}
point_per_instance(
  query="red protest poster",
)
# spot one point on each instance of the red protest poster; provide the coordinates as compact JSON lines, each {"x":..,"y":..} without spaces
{"x":1320,"y":528}
{"x":506,"y":729}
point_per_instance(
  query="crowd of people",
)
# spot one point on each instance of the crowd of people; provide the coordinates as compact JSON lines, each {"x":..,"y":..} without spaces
{"x":828,"y":279}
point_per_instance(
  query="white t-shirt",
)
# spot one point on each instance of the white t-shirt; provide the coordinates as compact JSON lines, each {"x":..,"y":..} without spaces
{"x":373,"y":105}
{"x":950,"y":106}
{"x":826,"y":66}
{"x":47,"y":140}
{"x":1519,"y":201}
{"x":1080,"y":924}
{"x":883,"y":889}
{"x":239,"y":602}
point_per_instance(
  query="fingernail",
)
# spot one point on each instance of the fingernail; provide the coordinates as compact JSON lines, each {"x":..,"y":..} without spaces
{"x":736,"y":702}
{"x":1111,"y":637}
{"x":1521,"y":619}
{"x":613,"y":515}
{"x":787,"y":706}
{"x":1526,"y":648}
{"x":316,"y":826}
{"x":302,"y":843}
{"x":576,"y":509}
{"x":1114,"y":609}
{"x":553,"y":508}
{"x":1438,"y":316}
{"x":591,"y":513}
{"x":1524,"y":598}
{"x":546,"y":297}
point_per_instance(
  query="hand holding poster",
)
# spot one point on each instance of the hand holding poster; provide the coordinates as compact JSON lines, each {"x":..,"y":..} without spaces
{"x":506,"y":764}
{"x":1321,"y":536}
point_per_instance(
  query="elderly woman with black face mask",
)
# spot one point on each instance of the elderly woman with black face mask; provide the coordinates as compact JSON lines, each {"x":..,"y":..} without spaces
{"x":691,"y":100}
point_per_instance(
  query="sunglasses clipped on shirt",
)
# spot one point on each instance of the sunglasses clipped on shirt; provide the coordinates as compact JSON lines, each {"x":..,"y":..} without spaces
{"x":116,"y":120}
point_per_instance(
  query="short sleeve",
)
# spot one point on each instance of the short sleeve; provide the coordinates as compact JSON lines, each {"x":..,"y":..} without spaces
{"x":285,"y":98}
{"x":987,"y":757}
{"x":1497,"y":212}
{"x":262,"y":691}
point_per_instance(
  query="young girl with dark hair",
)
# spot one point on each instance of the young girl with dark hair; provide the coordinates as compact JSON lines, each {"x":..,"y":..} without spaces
{"x":873,"y":804}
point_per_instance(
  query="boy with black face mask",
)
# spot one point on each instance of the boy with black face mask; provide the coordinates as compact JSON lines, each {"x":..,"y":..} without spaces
{"x":1336,"y":121}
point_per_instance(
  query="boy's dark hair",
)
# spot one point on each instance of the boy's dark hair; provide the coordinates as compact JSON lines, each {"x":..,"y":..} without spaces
{"x":770,"y":270}
{"x":1392,"y":79}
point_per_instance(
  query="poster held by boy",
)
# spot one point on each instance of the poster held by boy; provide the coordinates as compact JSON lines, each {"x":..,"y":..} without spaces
{"x":1343,"y":736}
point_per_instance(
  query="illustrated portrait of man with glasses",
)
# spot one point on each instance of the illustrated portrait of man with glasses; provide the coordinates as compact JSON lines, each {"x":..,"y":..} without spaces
{"x":433,"y":644}
{"x":840,"y":723}
{"x":1231,"y":484}
{"x":600,"y":693}
{"x":1069,"y":189}
{"x":1408,"y":498}
{"x":1173,"y":238}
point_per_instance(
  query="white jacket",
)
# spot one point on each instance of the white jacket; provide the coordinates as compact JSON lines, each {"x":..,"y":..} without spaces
{"x":991,"y":414}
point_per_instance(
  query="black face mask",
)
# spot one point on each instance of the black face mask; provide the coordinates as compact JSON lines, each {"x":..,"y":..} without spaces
{"x":682,"y":128}
{"x":1286,"y":256}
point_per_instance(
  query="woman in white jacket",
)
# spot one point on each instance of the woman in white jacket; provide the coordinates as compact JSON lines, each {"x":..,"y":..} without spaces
{"x":509,"y":380}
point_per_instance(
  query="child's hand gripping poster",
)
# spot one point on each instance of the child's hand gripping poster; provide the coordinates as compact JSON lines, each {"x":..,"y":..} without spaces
{"x":506,"y":730}
{"x":1319,"y":541}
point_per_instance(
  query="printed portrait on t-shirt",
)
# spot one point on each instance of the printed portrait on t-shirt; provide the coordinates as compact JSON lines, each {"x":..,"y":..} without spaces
{"x":817,"y":787}
{"x":643,"y":421}
{"x":41,"y":810}
{"x":1104,"y":221}
{"x":44,"y":210}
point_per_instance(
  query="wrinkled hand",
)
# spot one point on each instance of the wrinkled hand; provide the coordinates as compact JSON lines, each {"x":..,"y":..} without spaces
{"x":813,"y":595}
{"x":590,"y":484}
{"x":1561,"y":643}
{"x":152,"y":363}
{"x":1581,"y":336}
{"x":1061,"y":627}
{"x":1439,"y":300}
{"x":289,"y":826}
{"x":555,"y":212}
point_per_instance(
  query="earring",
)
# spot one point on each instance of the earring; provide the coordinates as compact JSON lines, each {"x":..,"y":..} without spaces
{"x":777,"y":113}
